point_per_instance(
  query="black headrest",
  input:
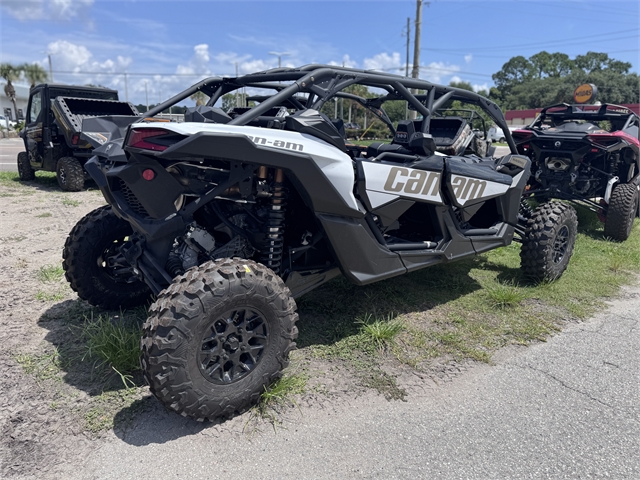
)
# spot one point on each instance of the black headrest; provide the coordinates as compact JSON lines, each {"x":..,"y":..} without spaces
{"x":205,"y":114}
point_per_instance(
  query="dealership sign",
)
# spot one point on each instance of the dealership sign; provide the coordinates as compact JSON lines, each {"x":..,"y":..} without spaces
{"x":585,"y":93}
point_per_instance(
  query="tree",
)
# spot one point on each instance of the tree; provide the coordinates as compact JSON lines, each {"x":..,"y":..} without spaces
{"x":34,"y":73}
{"x":548,"y":78}
{"x":10,"y":73}
{"x":200,"y":98}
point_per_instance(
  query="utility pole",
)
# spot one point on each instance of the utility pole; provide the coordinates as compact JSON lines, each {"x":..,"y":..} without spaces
{"x":406,"y":67}
{"x":126,"y":87}
{"x":279,"y":55}
{"x":50,"y":68}
{"x":237,"y":90}
{"x":146,"y":94}
{"x":416,"y":51}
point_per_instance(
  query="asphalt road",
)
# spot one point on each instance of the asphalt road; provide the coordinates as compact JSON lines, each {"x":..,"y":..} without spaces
{"x":9,"y":149}
{"x":567,"y":408}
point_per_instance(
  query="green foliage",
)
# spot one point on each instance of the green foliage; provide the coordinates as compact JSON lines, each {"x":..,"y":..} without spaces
{"x":548,"y":78}
{"x":114,"y":343}
{"x":50,"y":273}
{"x":381,"y":331}
{"x":34,"y":73}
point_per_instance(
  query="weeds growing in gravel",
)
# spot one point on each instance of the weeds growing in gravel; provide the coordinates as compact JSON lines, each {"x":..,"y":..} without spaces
{"x":114,"y":343}
{"x":380,"y":331}
{"x":50,"y":273}
{"x":505,"y":294}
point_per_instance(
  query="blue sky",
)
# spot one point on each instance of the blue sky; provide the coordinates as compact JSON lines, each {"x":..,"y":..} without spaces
{"x":169,"y":45}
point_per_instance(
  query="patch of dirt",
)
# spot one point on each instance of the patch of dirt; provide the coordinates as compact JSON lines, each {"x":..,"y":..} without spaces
{"x":40,"y":425}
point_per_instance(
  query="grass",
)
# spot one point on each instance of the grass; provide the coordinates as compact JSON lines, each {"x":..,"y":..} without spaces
{"x":463,"y":310}
{"x":459,"y":311}
{"x":43,"y":366}
{"x":12,"y":179}
{"x":380,"y":331}
{"x":50,"y":296}
{"x":113,"y":343}
{"x":44,"y":215}
{"x":276,"y":397}
{"x":50,"y":273}
{"x":504,"y":294}
{"x":70,"y":203}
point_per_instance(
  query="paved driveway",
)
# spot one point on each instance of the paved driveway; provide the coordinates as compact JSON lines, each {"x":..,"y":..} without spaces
{"x":9,"y":149}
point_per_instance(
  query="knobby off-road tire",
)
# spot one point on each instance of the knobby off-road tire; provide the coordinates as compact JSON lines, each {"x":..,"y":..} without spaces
{"x":25,"y":172}
{"x":621,"y":213}
{"x":70,"y":174}
{"x":93,"y":267}
{"x":548,"y":242}
{"x":216,"y":337}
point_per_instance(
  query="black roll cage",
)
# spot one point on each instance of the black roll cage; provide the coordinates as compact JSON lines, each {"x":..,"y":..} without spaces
{"x":324,"y":82}
{"x":565,"y":111}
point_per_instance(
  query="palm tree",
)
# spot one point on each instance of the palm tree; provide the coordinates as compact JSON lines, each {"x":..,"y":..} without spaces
{"x":9,"y":73}
{"x":34,"y":73}
{"x":199,"y":97}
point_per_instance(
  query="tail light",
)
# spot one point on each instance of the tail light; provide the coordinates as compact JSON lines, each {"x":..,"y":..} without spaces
{"x":75,"y":139}
{"x":156,"y":139}
{"x":603,"y":140}
{"x":521,"y":135}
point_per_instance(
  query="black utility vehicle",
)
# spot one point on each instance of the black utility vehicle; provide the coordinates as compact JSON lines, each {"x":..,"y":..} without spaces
{"x":589,"y":154}
{"x":60,"y":119}
{"x":228,"y":217}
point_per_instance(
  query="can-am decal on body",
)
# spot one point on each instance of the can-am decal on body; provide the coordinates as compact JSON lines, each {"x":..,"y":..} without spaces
{"x":397,"y":181}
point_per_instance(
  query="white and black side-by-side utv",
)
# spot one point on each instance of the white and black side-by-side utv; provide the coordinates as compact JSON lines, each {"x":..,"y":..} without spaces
{"x":229,"y":216}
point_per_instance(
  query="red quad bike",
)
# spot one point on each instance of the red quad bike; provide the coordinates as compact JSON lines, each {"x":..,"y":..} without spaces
{"x":230,"y":215}
{"x":588,"y":154}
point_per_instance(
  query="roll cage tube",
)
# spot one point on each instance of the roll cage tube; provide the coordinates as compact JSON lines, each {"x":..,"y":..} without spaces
{"x":325,"y":82}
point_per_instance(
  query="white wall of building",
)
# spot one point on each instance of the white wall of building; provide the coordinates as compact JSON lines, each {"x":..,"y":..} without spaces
{"x":22,"y":98}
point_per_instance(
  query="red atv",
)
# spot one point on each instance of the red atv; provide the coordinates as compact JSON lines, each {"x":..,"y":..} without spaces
{"x":589,"y":154}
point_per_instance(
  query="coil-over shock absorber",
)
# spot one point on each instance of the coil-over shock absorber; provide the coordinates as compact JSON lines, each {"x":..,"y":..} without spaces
{"x":272,"y":248}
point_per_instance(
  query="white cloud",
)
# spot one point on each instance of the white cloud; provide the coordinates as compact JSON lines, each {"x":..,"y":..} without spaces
{"x":455,"y":79}
{"x":346,"y":62}
{"x":436,"y":71}
{"x":468,"y":58}
{"x":478,"y":88}
{"x":385,"y":62}
{"x":45,"y":9}
{"x":69,"y":57}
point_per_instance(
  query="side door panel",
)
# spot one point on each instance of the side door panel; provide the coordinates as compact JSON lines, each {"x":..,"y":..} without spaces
{"x":34,"y":128}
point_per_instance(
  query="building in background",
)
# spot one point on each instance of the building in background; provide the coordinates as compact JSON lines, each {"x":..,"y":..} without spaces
{"x":22,"y":99}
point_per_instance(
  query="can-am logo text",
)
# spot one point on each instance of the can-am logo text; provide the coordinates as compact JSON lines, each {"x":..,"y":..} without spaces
{"x":298,"y":147}
{"x":467,"y":188}
{"x":415,"y":182}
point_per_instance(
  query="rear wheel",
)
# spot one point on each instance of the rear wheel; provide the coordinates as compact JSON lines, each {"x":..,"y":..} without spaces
{"x":621,"y":213}
{"x":70,"y":174}
{"x":217,"y":337}
{"x":94,"y":266}
{"x":25,"y":172}
{"x":548,"y":243}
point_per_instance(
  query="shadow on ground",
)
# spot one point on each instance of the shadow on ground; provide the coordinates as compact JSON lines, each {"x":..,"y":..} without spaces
{"x":327,"y":315}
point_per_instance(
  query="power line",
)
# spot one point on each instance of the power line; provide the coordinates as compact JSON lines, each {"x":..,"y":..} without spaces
{"x":542,"y":44}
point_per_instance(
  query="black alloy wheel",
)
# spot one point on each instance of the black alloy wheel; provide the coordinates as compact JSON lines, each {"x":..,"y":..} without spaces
{"x":233,"y":345}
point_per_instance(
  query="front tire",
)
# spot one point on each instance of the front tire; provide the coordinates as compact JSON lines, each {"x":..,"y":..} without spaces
{"x":216,"y":337}
{"x":70,"y":174}
{"x":93,"y":266}
{"x":623,"y":206}
{"x":25,"y":172}
{"x":547,"y":246}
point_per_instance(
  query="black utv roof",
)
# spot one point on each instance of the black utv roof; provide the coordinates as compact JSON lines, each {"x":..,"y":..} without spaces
{"x":604,"y":111}
{"x":321,"y":83}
